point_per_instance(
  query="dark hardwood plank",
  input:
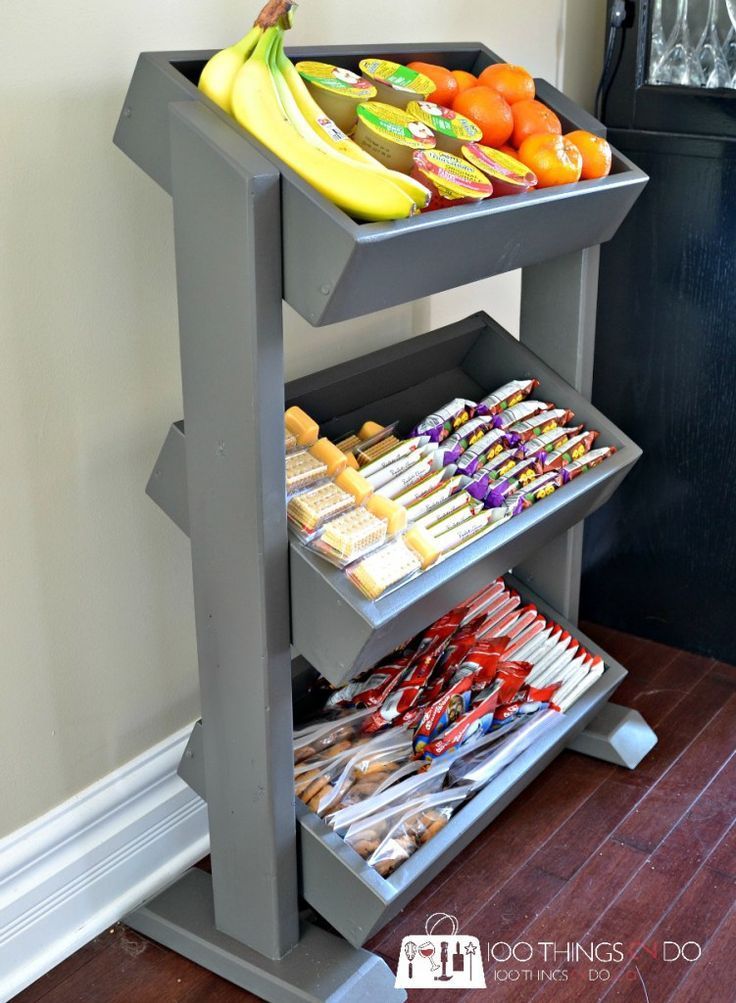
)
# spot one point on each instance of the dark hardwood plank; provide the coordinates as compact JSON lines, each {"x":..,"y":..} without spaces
{"x":212,"y":989}
{"x":575,"y":909}
{"x":660,"y":881}
{"x":673,"y":794}
{"x":131,"y":969}
{"x":68,"y":967}
{"x":711,"y":980}
{"x":695,"y":917}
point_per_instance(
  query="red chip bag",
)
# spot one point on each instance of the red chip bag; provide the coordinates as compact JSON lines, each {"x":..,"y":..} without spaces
{"x":512,"y":676}
{"x":409,"y":691}
{"x":481,"y":662}
{"x":478,"y":719}
{"x":372,"y":690}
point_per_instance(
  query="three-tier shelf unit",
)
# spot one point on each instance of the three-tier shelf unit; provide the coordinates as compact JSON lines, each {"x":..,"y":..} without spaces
{"x":250,"y":233}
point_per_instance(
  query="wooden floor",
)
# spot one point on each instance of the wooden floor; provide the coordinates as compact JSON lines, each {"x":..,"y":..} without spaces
{"x":589,"y":853}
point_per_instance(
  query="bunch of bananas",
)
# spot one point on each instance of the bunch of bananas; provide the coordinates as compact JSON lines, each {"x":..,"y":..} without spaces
{"x":256,"y":83}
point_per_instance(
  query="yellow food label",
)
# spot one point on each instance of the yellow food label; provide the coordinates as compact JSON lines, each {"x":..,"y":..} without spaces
{"x":401,"y":78}
{"x":444,"y":120}
{"x":336,"y":79}
{"x":452,"y":177}
{"x":396,"y":125}
{"x":486,"y":156}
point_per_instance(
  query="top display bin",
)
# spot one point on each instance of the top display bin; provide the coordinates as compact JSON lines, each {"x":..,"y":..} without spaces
{"x":363,"y":267}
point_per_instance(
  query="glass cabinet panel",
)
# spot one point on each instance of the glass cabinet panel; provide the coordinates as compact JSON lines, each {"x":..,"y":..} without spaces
{"x":692,"y":43}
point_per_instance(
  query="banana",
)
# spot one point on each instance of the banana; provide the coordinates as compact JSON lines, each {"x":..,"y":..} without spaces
{"x":332,"y":135}
{"x":323,"y":134}
{"x":218,"y":76}
{"x":256,"y":105}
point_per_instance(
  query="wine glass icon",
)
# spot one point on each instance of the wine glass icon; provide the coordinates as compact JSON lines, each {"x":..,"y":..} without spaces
{"x":427,"y":950}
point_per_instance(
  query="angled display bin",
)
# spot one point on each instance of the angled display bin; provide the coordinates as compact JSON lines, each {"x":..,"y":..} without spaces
{"x":355,"y":899}
{"x":357,"y":267}
{"x":333,"y":626}
{"x":352,"y":896}
{"x":246,"y":229}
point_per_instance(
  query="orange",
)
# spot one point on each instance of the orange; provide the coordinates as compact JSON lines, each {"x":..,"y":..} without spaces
{"x":554,"y":159}
{"x":596,"y":153}
{"x":446,"y":84}
{"x":509,"y":151}
{"x":464,"y":80}
{"x":512,"y":82}
{"x":531,"y":117}
{"x":489,"y":111}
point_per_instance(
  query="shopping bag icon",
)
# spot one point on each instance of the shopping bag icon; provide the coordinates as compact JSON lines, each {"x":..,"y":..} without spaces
{"x":440,"y":958}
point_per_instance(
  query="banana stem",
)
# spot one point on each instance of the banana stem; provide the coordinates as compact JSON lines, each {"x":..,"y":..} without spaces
{"x":248,"y":42}
{"x":276,"y":12}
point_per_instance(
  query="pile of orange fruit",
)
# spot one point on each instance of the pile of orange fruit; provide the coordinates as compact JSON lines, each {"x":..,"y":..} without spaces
{"x":502,"y":102}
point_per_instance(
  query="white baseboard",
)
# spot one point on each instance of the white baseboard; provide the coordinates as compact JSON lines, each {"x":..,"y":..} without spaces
{"x":70,"y":874}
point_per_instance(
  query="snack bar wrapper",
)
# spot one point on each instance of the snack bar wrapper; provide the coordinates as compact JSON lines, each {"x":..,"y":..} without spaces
{"x":443,"y":423}
{"x":539,"y":489}
{"x":520,"y":412}
{"x":523,"y":473}
{"x":457,"y":652}
{"x":587,"y":462}
{"x":556,"y":438}
{"x":572,"y":450}
{"x":481,"y":452}
{"x":480,"y":483}
{"x":481,"y":662}
{"x":506,"y":396}
{"x":512,"y":676}
{"x":467,"y":435}
{"x":537,"y":425}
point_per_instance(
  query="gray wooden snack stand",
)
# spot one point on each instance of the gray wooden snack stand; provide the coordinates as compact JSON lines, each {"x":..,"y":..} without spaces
{"x":250,"y":233}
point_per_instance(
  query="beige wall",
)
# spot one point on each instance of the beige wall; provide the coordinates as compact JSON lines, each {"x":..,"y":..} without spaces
{"x":96,"y":634}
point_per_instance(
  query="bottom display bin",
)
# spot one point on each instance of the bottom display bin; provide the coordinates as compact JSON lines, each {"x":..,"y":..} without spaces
{"x":355,"y":899}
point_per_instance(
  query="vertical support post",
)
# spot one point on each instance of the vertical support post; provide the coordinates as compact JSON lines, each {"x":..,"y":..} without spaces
{"x":558,"y":310}
{"x":227,"y":220}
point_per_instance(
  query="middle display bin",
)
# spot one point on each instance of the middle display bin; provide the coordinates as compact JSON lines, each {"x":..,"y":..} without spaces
{"x":333,"y":626}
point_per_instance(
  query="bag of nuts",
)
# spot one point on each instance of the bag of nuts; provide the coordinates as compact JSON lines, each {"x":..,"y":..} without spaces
{"x":368,"y":768}
{"x":410,"y":782}
{"x":313,"y":780}
{"x":314,"y":741}
{"x":419,"y":824}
